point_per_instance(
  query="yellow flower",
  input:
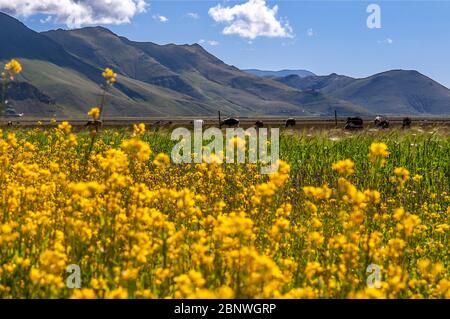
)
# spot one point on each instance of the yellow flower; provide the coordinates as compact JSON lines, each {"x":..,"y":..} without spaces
{"x":312,"y":268}
{"x":65,"y":127}
{"x":11,"y":139}
{"x":402,"y":175}
{"x":378,"y":151}
{"x":109,"y":76}
{"x":161,"y":160}
{"x":417,"y":178}
{"x":345,"y":167}
{"x":279,"y":178}
{"x":320,"y":193}
{"x":88,"y":189}
{"x":442,"y":228}
{"x":409,"y":224}
{"x":95,"y":113}
{"x":423,"y":265}
{"x":372,"y":196}
{"x":138,"y":129}
{"x":13,"y":67}
{"x":136,"y":149}
{"x":399,"y":213}
{"x":84,"y":293}
{"x":118,"y":293}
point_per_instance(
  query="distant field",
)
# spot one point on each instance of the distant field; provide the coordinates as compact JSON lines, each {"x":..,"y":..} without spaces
{"x":211,"y":121}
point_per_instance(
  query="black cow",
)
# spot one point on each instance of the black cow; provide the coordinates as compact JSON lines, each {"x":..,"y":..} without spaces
{"x":406,"y":122}
{"x":230,"y":122}
{"x":290,"y":122}
{"x":381,"y":122}
{"x":354,"y":123}
{"x":259,"y":124}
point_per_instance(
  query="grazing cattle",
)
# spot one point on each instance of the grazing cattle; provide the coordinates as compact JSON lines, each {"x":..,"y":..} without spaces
{"x":230,"y":122}
{"x":9,"y":123}
{"x":406,"y":122}
{"x":354,"y":123}
{"x":259,"y":124}
{"x":381,"y":122}
{"x":290,"y":122}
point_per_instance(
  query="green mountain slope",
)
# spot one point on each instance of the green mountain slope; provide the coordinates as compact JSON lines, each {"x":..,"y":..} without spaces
{"x":191,"y":70}
{"x":62,"y":72}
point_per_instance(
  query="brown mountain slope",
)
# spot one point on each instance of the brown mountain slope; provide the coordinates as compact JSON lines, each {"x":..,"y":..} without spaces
{"x":396,"y":92}
{"x":159,"y":80}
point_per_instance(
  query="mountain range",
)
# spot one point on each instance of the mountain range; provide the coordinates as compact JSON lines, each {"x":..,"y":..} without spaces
{"x":393,"y":92}
{"x":279,"y":74}
{"x":62,"y":71}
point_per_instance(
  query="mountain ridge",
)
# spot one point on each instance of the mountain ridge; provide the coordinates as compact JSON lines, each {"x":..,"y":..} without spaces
{"x":279,"y":73}
{"x":410,"y":91}
{"x":63,"y":68}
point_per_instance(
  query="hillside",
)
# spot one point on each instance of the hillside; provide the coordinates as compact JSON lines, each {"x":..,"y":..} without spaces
{"x":396,"y":92}
{"x":154,"y":80}
{"x":62,"y":72}
{"x":191,"y":70}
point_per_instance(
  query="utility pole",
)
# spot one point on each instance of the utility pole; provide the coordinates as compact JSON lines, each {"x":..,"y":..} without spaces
{"x":335,"y":117}
{"x":220,"y":122}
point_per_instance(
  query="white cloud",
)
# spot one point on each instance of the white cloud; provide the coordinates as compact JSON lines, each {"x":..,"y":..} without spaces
{"x":209,"y":42}
{"x":75,"y":13}
{"x":251,"y":19}
{"x":193,"y":15}
{"x":160,"y":18}
{"x":386,"y":41}
{"x":310,"y":32}
{"x":46,"y":20}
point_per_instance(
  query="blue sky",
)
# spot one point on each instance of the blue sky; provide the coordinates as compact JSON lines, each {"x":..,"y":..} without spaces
{"x":320,"y":36}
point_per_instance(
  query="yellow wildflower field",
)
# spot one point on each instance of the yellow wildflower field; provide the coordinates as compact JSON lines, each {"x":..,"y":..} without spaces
{"x":340,"y":210}
{"x":103,"y":213}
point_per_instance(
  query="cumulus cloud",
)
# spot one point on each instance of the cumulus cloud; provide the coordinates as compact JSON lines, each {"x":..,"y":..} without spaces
{"x":251,"y":19}
{"x":75,"y":13}
{"x":160,"y":18}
